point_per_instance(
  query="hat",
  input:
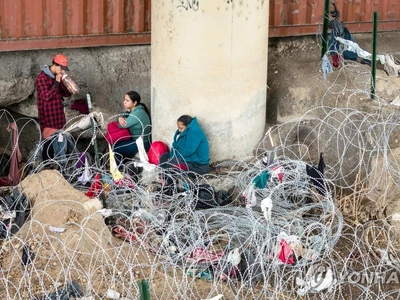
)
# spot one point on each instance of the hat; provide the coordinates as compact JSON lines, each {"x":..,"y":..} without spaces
{"x":62,"y":61}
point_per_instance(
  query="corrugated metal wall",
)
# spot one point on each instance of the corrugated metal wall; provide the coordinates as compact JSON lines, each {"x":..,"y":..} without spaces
{"x":300,"y":17}
{"x":38,"y":24}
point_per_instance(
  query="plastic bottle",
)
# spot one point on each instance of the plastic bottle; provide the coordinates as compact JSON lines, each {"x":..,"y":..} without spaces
{"x":70,"y":84}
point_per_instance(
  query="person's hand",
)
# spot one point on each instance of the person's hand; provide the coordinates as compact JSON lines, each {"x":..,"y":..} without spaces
{"x":58,"y":77}
{"x":122,"y":121}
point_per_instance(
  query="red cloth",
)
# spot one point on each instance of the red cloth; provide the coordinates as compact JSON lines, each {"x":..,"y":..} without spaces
{"x":80,"y":105}
{"x":126,"y":181}
{"x":116,"y":134}
{"x":157,"y":149}
{"x":95,"y":188}
{"x":49,"y":101}
{"x":201,"y":255}
{"x":14,"y":173}
{"x":182,"y":167}
{"x":287,"y":254}
{"x":47,"y":132}
{"x":122,"y":233}
{"x":336,"y":60}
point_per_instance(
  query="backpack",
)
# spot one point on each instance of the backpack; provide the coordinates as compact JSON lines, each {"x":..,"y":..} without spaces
{"x":157,"y":149}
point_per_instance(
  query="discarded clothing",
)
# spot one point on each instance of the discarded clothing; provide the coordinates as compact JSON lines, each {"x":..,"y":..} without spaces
{"x":261,"y":180}
{"x":70,"y":290}
{"x":18,"y":204}
{"x":14,"y":173}
{"x":200,"y":255}
{"x":122,"y":233}
{"x":336,"y":59}
{"x":334,"y":45}
{"x":269,"y":157}
{"x":127,"y":149}
{"x":277,"y":172}
{"x":80,"y":105}
{"x":352,"y":46}
{"x":95,"y":189}
{"x":250,"y":196}
{"x":249,"y":268}
{"x":286,"y":254}
{"x":116,"y":174}
{"x":86,"y":174}
{"x":86,"y":122}
{"x":207,"y":197}
{"x":27,"y":255}
{"x":317,"y":176}
{"x":326,"y":66}
{"x":317,"y":279}
{"x":266,"y":208}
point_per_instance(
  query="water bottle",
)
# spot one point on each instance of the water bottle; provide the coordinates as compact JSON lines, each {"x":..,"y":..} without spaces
{"x":70,"y":84}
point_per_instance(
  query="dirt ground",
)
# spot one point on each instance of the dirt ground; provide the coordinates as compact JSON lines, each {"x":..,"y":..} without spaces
{"x":295,"y":78}
{"x":85,"y":251}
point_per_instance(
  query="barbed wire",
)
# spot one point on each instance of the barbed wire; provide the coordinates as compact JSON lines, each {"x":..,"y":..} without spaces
{"x":281,"y":233}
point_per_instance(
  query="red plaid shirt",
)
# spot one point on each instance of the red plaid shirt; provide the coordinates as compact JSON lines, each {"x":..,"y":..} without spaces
{"x":49,"y":101}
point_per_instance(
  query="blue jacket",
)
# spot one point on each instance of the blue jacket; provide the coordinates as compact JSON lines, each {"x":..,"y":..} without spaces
{"x":191,"y":144}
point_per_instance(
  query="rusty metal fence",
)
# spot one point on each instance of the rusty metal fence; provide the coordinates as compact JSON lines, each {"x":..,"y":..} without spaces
{"x":39,"y":24}
{"x":301,"y":17}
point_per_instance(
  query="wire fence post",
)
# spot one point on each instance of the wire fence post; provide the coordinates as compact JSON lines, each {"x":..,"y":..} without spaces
{"x":144,"y":289}
{"x":374,"y":46}
{"x":325,"y":28}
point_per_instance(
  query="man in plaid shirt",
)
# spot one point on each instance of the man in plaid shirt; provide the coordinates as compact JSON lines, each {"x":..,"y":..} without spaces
{"x":50,"y":90}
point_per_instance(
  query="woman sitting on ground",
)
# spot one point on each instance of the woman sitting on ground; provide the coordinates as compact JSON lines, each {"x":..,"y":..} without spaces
{"x":137,"y":120}
{"x":190,"y":149}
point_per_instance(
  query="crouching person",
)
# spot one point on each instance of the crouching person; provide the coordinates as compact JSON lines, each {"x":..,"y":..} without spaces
{"x":190,"y":150}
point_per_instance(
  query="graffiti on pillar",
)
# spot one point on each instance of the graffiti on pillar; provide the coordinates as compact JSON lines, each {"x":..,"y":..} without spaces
{"x":189,"y":4}
{"x":193,"y":4}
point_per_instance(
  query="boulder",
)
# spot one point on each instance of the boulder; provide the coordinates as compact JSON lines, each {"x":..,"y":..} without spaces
{"x":15,"y":90}
{"x":27,"y":107}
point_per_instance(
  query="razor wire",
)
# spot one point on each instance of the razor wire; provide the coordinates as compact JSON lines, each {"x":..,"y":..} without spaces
{"x":238,"y":250}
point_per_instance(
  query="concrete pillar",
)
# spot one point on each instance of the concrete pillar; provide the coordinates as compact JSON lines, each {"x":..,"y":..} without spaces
{"x":209,"y":59}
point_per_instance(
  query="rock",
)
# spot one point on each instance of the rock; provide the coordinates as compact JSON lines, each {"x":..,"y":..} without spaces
{"x":26,"y":107}
{"x":396,"y":101}
{"x":383,"y":188}
{"x":15,"y":90}
{"x":131,"y":65}
{"x":390,"y":66}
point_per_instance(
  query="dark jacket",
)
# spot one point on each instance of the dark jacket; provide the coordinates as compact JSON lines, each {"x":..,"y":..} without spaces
{"x":191,"y":144}
{"x":49,"y":100}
